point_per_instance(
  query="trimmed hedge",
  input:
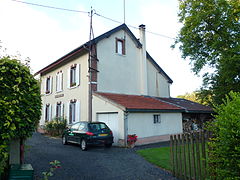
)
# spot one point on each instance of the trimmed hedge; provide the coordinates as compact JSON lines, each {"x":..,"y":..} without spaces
{"x":20,"y":104}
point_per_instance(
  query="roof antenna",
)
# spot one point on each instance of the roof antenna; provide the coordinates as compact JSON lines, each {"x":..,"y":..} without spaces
{"x":124,"y":12}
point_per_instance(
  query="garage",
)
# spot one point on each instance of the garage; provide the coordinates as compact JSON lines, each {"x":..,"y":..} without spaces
{"x":111,"y":119}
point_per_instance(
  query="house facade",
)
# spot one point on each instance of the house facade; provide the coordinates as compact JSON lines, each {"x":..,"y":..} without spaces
{"x":127,"y":88}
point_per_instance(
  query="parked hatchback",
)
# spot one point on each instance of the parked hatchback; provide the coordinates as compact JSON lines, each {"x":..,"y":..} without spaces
{"x":86,"y":133}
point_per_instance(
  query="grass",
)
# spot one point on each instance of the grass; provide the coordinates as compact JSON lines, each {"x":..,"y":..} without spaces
{"x":157,"y":156}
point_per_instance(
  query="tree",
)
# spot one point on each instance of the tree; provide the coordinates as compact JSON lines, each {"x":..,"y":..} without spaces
{"x":20,"y":103}
{"x":224,"y":147}
{"x":210,"y":38}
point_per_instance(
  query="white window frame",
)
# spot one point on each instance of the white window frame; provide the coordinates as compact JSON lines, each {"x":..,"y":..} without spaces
{"x":157,"y":119}
{"x":74,"y":80}
{"x":74,"y":111}
{"x":48,"y":113}
{"x":59,"y":81}
{"x":48,"y":85}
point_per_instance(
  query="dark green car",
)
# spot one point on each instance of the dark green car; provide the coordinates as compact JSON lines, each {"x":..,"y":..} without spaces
{"x":86,"y":133}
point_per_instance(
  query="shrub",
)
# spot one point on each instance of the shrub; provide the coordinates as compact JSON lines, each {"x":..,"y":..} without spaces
{"x":56,"y":126}
{"x":20,"y":104}
{"x":224,"y":147}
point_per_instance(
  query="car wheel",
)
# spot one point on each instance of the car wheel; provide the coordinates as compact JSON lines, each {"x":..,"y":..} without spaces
{"x":83,"y":145}
{"x":108,"y":145}
{"x":64,"y":140}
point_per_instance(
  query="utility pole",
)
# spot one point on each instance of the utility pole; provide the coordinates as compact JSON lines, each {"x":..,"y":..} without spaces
{"x":90,"y":69}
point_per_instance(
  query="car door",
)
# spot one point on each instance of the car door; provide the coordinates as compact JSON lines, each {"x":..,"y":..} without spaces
{"x":80,"y":132}
{"x":73,"y":131}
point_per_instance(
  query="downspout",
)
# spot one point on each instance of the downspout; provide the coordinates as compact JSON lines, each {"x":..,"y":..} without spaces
{"x":126,"y":113}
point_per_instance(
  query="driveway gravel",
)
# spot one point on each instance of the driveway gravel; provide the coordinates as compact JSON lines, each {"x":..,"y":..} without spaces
{"x":98,"y":163}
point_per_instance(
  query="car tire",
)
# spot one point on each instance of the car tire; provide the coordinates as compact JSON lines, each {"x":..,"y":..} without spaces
{"x":83,"y":145}
{"x":108,"y":145}
{"x":64,"y":140}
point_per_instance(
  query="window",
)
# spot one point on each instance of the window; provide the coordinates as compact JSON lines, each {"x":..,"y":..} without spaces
{"x":73,"y":75}
{"x":75,"y":126}
{"x":120,"y":46}
{"x":72,"y":111}
{"x":156,"y":118}
{"x":59,"y":81}
{"x":59,"y":110}
{"x":47,"y":112}
{"x":48,"y":85}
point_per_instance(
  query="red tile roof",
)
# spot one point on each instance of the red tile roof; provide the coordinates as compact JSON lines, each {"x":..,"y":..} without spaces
{"x":138,"y":102}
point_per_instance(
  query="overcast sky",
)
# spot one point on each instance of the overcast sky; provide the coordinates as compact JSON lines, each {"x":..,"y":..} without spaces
{"x":44,"y":35}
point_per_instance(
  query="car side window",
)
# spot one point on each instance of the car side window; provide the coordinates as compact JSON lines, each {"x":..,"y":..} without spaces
{"x":74,"y":127}
{"x":82,"y":126}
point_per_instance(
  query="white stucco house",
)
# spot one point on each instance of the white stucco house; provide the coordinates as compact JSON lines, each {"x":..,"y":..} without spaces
{"x":131,"y":92}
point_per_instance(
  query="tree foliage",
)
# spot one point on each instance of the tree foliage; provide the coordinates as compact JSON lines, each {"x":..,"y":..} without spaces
{"x":20,"y":103}
{"x":210,"y":38}
{"x":224,"y":147}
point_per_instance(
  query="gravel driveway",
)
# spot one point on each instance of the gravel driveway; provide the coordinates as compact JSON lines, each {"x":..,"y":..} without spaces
{"x":97,"y":163}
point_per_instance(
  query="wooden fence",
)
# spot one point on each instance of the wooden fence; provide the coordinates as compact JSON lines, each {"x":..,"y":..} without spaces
{"x":189,"y":155}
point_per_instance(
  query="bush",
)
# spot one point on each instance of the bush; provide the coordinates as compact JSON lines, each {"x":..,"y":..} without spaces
{"x":56,"y":126}
{"x":224,"y":147}
{"x":20,"y":104}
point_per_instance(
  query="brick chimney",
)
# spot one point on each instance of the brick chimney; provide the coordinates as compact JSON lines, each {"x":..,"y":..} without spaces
{"x":143,"y":61}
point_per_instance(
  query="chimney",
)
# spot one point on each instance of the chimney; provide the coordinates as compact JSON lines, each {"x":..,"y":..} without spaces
{"x":143,"y":61}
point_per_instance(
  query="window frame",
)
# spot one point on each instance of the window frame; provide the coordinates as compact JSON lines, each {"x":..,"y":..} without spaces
{"x":72,"y":111}
{"x":59,"y":109}
{"x":158,"y":119}
{"x":47,"y":113}
{"x":73,"y":74}
{"x":59,"y":81}
{"x":48,"y":84}
{"x":123,"y":48}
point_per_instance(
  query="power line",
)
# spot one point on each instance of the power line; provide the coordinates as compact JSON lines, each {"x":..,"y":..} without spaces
{"x":104,"y":17}
{"x":52,"y":7}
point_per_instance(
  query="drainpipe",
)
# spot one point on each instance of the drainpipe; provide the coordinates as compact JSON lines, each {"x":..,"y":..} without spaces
{"x":143,"y":61}
{"x":125,"y":127}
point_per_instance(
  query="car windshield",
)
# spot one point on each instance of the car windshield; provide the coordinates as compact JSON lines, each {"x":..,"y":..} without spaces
{"x":97,"y":127}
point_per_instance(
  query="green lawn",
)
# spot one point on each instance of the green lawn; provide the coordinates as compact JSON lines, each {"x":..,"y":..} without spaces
{"x":157,"y":156}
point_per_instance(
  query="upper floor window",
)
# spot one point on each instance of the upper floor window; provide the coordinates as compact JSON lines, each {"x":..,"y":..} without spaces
{"x":156,"y":118}
{"x":74,"y":75}
{"x":59,"y":81}
{"x":48,"y":112}
{"x":120,"y":46}
{"x":48,"y":88}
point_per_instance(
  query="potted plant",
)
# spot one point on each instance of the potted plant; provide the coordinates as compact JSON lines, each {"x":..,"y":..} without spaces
{"x":131,"y":140}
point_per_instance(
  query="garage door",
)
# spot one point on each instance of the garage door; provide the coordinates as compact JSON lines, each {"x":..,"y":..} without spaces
{"x":111,"y":119}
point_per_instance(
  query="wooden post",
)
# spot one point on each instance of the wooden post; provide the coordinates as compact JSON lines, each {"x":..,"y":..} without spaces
{"x":203,"y":154}
{"x":189,"y":156}
{"x":198,"y":155}
{"x":184,"y":157}
{"x":176,"y":155}
{"x":172,"y":154}
{"x":180,"y":155}
{"x":193,"y":156}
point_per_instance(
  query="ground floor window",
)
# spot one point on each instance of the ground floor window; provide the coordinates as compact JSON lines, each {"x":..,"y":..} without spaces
{"x":47,"y":112}
{"x":72,"y":111}
{"x":156,"y":118}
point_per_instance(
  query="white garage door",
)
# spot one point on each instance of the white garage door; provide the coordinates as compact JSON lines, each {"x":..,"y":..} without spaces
{"x":111,"y":119}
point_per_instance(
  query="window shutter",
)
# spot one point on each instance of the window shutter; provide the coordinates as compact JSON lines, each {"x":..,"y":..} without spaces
{"x":67,"y":112}
{"x":54,"y":110}
{"x":60,"y":81}
{"x":50,"y":112}
{"x":77,"y":111}
{"x":50,"y":84}
{"x":62,"y":110}
{"x":77,"y":74}
{"x":68,"y":76}
{"x":45,"y":89}
{"x":44,"y":113}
